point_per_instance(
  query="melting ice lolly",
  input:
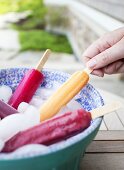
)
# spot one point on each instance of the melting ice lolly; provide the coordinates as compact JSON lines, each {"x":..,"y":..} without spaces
{"x":6,"y":109}
{"x":29,"y":84}
{"x":59,"y":128}
{"x":64,"y":94}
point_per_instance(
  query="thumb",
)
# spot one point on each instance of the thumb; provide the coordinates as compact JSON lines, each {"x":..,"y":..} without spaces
{"x":114,"y":53}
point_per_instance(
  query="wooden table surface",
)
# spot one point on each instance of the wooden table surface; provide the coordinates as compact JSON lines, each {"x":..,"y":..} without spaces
{"x":106,"y":152}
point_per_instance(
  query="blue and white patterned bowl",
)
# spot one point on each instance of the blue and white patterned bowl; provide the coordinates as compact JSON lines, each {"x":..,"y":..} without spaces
{"x":89,"y":98}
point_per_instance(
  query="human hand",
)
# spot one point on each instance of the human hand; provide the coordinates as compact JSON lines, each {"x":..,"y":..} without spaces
{"x":106,"y":55}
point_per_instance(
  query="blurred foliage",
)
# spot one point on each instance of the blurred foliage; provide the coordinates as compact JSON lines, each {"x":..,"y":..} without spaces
{"x":35,"y":20}
{"x":31,"y":32}
{"x":41,"y":40}
{"x":8,"y":6}
{"x":29,"y":24}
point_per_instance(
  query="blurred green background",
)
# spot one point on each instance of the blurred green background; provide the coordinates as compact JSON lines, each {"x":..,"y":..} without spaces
{"x":32,"y":33}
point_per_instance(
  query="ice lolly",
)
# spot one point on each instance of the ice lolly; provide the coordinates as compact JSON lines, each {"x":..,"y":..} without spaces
{"x":51,"y":131}
{"x":29,"y":84}
{"x":6,"y":109}
{"x":58,"y":128}
{"x":64,"y":94}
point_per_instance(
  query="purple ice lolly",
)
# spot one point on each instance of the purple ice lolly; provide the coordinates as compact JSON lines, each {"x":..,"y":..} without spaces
{"x":6,"y":109}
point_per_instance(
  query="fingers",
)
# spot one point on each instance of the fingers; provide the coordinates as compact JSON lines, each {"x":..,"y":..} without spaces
{"x":106,"y":55}
{"x":103,"y":43}
{"x":98,"y":72}
{"x":116,"y":67}
{"x":115,"y":53}
{"x":96,"y":48}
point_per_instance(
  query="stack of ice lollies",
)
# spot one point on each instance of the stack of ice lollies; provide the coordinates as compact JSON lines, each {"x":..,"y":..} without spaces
{"x":54,"y":129}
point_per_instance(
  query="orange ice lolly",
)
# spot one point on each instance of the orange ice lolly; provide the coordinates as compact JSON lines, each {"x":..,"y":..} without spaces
{"x":29,"y":83}
{"x":64,"y":94}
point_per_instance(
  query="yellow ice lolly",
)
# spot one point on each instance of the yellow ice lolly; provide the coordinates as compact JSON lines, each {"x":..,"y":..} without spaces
{"x":64,"y":94}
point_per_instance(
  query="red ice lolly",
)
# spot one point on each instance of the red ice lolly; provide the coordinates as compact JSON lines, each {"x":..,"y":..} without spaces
{"x":29,"y":84}
{"x":58,"y":128}
{"x":51,"y":131}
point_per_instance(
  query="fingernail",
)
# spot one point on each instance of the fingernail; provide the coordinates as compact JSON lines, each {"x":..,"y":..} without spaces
{"x":91,"y":63}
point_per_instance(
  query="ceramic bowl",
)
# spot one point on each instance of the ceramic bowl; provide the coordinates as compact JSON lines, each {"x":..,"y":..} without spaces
{"x":64,"y":155}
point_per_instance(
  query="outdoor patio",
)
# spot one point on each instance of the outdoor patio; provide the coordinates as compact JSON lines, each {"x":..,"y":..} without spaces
{"x":106,"y":152}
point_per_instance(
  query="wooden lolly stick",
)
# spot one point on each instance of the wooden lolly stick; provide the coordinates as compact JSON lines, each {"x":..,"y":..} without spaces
{"x":43,"y":60}
{"x":87,"y":70}
{"x":101,"y":111}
